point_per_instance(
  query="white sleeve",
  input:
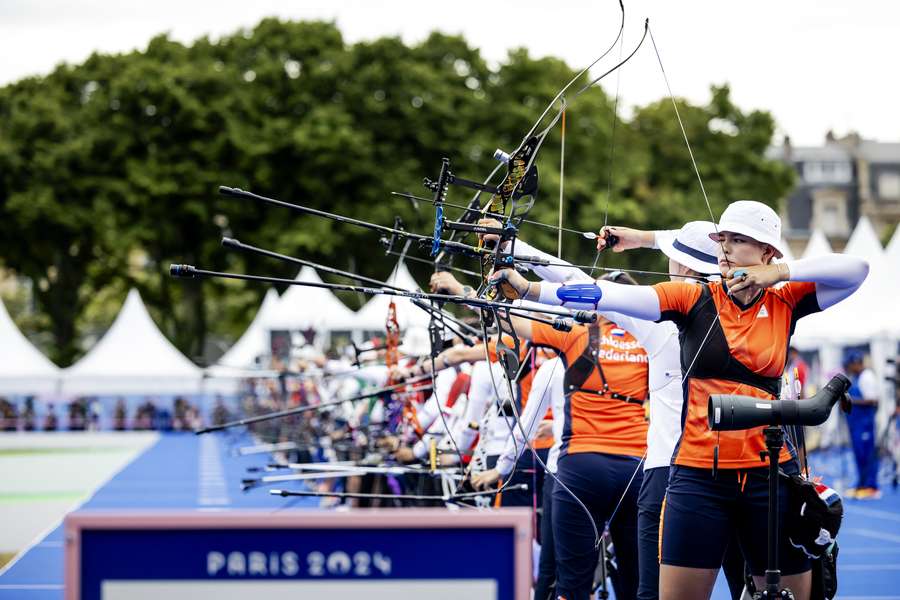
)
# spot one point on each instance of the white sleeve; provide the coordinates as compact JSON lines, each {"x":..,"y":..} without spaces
{"x":553,"y":273}
{"x":481,"y":392}
{"x":535,"y":410}
{"x":376,"y":375}
{"x":428,"y":414}
{"x":836,"y":276}
{"x":868,"y":385}
{"x":639,"y":301}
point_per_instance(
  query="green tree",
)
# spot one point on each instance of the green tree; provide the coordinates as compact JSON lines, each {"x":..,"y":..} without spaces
{"x":109,"y":169}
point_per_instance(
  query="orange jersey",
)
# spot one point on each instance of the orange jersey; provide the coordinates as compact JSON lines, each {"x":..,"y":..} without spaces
{"x":742,"y":352}
{"x":602,"y":421}
{"x":492,"y":348}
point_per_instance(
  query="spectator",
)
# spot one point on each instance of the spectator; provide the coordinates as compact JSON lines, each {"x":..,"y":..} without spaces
{"x":51,"y":421}
{"x":864,"y":394}
{"x":180,"y":410}
{"x":796,"y":363}
{"x":9,"y":418}
{"x":162,"y":419}
{"x":78,"y":414}
{"x":96,"y":413}
{"x":120,"y":415}
{"x":220,"y":412}
{"x":145,"y":416}
{"x":28,"y":417}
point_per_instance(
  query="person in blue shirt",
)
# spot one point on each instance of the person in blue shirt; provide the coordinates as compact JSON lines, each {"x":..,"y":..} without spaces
{"x":864,"y":393}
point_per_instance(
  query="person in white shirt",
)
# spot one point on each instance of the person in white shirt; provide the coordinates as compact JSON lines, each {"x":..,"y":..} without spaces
{"x":546,"y":394}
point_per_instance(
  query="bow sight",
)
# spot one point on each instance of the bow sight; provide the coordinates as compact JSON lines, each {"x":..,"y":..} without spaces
{"x":520,"y":182}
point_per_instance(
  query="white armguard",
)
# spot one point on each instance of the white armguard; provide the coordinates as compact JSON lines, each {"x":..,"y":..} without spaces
{"x":555,"y":272}
{"x":836,"y":276}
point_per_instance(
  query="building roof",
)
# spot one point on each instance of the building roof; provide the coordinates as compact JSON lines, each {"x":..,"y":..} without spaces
{"x":870,"y":150}
{"x":827,"y":153}
{"x":879,"y":152}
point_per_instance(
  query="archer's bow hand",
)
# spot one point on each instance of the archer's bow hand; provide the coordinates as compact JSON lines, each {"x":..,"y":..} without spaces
{"x":620,"y":239}
{"x":485,"y":479}
{"x":513,"y":278}
{"x":756,"y":276}
{"x":443,"y":282}
{"x":489,"y":239}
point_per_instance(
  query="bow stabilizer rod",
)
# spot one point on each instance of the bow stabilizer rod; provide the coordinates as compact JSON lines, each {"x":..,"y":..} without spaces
{"x":192,"y":272}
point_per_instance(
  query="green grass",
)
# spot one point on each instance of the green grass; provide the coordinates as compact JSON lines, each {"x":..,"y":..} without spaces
{"x":8,"y":452}
{"x":45,"y":496}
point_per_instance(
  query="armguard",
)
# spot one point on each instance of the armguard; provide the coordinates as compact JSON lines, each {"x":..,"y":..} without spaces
{"x":580,"y":293}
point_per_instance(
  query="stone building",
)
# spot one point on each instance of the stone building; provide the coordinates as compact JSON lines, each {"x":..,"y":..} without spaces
{"x":837,"y":183}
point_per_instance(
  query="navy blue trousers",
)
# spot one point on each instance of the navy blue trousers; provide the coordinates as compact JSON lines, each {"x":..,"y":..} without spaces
{"x":599,"y":481}
{"x":653,"y":490}
{"x":546,"y":579}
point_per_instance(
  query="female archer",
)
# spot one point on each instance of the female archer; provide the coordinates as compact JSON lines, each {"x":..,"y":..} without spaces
{"x":734,"y":338}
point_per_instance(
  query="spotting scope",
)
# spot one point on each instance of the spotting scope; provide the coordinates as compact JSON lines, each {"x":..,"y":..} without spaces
{"x":731,"y":412}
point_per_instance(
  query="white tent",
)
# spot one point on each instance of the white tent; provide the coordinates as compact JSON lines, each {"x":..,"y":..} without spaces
{"x":255,"y":340}
{"x":867,"y":313}
{"x":23,"y":369}
{"x":892,"y":252}
{"x":817,"y":245}
{"x":371,"y":317}
{"x":133,"y":357}
{"x":303,"y":307}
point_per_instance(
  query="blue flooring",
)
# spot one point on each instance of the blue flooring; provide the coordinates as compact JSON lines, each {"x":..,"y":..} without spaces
{"x":180,"y":471}
{"x":183,"y":471}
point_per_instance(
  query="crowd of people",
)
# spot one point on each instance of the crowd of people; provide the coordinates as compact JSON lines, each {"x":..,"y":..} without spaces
{"x":87,"y":414}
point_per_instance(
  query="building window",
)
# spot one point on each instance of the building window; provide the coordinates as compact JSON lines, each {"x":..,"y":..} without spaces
{"x":827,"y":172}
{"x":889,"y":186}
{"x":830,"y":219}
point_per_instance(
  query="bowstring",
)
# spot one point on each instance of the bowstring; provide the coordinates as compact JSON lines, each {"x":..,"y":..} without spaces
{"x":612,"y":145}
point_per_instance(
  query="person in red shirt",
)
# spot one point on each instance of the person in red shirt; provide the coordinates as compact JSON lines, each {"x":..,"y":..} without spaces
{"x":734,"y":339}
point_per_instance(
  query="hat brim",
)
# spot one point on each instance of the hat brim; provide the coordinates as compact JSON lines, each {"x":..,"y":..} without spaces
{"x":754,"y":235}
{"x":666,"y":244}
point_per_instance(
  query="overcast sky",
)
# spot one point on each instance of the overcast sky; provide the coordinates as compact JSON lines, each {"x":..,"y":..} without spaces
{"x":817,"y":65}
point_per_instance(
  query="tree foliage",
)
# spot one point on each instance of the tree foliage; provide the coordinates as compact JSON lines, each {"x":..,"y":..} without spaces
{"x":109,"y":169}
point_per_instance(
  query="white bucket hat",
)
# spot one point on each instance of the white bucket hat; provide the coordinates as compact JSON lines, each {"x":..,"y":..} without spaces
{"x":692,"y":246}
{"x":755,"y":220}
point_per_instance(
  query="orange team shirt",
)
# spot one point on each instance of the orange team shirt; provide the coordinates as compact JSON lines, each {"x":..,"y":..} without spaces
{"x":597,"y":422}
{"x":523,"y":385}
{"x":744,"y":353}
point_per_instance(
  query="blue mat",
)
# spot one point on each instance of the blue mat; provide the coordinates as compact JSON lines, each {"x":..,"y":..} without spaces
{"x":183,"y":471}
{"x":180,"y":471}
